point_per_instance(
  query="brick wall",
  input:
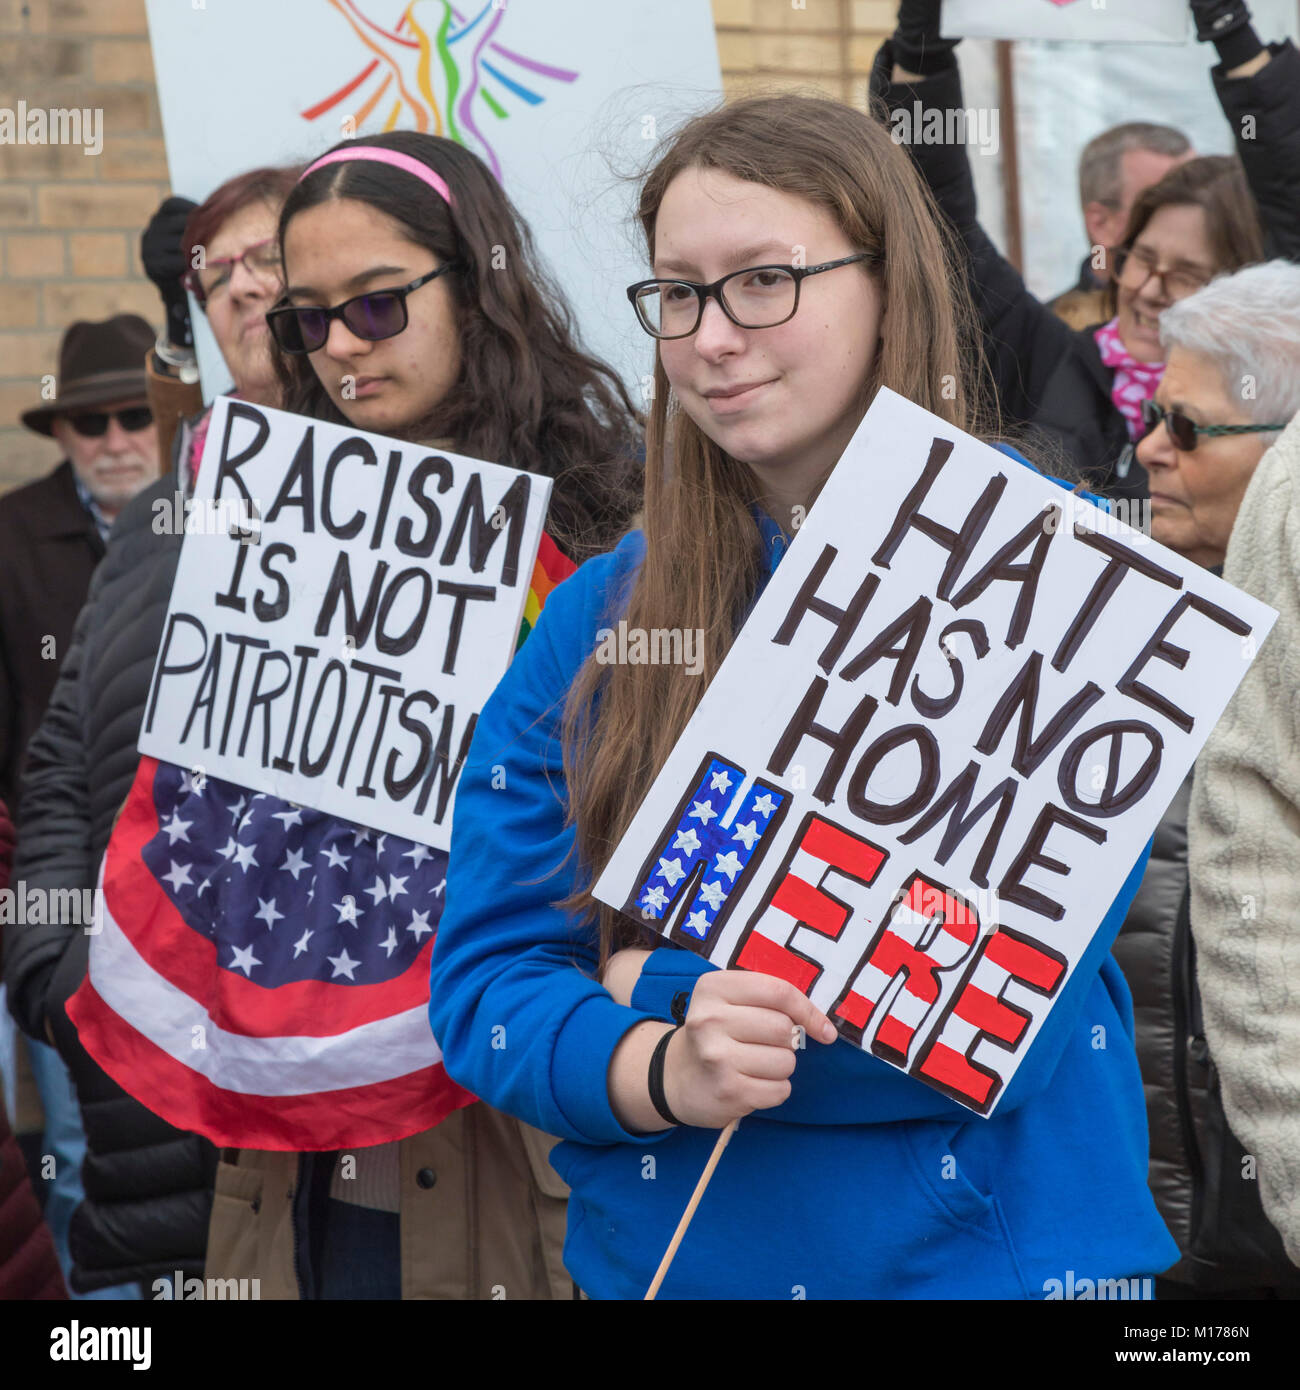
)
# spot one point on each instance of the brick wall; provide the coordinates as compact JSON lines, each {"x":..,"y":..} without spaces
{"x":70,"y":223}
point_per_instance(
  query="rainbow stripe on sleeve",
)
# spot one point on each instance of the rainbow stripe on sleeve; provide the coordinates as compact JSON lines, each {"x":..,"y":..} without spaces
{"x":552,"y":566}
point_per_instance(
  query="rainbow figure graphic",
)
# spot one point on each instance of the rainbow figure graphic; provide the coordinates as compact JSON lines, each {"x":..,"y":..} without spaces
{"x":436,"y":69}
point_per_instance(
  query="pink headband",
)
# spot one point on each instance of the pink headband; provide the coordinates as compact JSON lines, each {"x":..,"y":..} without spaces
{"x":398,"y":161}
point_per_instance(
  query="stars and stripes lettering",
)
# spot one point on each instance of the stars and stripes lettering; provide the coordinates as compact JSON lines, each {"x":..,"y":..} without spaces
{"x":980,"y":1013}
{"x":928,"y":932}
{"x":710,"y":845}
{"x":801,"y":899}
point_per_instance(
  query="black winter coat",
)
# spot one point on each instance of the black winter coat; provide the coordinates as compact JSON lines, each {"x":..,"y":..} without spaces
{"x":148,"y":1186}
{"x":1046,"y":374}
{"x":1206,"y":1190}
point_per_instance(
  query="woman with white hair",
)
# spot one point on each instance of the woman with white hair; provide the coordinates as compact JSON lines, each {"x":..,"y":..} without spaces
{"x":1231,"y":384}
{"x":1245,"y":813}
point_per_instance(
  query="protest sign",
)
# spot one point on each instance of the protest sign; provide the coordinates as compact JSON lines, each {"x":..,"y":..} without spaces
{"x":343,"y":607}
{"x":1091,"y":21}
{"x":935,"y":750}
{"x":559,"y":98}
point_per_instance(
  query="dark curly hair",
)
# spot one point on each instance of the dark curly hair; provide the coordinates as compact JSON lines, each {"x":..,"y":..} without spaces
{"x":527,"y":395}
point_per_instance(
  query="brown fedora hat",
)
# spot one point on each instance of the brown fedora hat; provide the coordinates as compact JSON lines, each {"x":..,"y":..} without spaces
{"x":99,"y":363}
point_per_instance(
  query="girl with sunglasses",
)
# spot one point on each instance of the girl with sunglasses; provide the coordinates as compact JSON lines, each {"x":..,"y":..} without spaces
{"x":414,"y":307}
{"x":848,"y":1178}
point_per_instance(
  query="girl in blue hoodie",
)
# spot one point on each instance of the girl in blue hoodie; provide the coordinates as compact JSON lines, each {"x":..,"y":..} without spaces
{"x":798,"y":266}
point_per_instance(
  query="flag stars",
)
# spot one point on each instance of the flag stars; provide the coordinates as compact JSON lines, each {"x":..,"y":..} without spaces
{"x":389,"y":943}
{"x":687,"y":840}
{"x":300,"y":945}
{"x":229,"y":847}
{"x":343,"y":965}
{"x":713,"y":895}
{"x":728,"y":864}
{"x":179,"y":875}
{"x":290,"y":817}
{"x":335,"y":859}
{"x":764,"y":805}
{"x":377,"y":890}
{"x":419,"y":854}
{"x":655,"y":898}
{"x":419,"y":925}
{"x":244,"y":960}
{"x":746,"y":834}
{"x":396,"y":886}
{"x":359,"y":836}
{"x":720,"y":782}
{"x":267,"y":912}
{"x":347,"y":911}
{"x":244,"y":857}
{"x":672,"y":870}
{"x":701,"y":811}
{"x":175,"y":829}
{"x":237,"y":809}
{"x":698,"y":923}
{"x":294,"y":863}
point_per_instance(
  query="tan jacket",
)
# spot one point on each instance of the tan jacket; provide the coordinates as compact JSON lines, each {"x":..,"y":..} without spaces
{"x":482,"y":1214}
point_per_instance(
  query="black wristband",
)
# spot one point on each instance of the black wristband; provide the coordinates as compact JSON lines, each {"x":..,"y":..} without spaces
{"x":656,"y":1079}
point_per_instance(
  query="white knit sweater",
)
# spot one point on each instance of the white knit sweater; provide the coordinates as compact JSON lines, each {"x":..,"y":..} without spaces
{"x":1244,"y":835}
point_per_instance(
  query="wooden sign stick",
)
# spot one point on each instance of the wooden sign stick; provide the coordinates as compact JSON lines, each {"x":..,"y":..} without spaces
{"x":723,"y":1140}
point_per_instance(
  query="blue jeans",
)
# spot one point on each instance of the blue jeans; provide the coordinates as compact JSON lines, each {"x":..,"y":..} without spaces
{"x":65,"y":1144}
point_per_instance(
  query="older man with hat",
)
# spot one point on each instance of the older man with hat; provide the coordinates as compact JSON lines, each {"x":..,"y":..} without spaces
{"x":53,"y":531}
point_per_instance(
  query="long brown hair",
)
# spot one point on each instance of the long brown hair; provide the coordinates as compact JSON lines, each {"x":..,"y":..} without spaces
{"x":527,"y":395}
{"x":704,"y":560}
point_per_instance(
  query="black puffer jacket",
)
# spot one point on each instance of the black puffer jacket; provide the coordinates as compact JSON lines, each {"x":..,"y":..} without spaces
{"x":1203,"y":1183}
{"x":1045,"y":373}
{"x":148,"y":1186}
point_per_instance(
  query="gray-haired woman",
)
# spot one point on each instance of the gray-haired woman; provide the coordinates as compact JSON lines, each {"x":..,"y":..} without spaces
{"x":1232,"y":382}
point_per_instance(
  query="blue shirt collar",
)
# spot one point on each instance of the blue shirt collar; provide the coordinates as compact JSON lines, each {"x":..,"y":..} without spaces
{"x":102,"y":524}
{"x":775,"y":541}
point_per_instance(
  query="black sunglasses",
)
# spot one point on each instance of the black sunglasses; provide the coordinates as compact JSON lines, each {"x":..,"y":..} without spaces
{"x":373,"y":316}
{"x":1184,"y":433}
{"x":93,"y":424}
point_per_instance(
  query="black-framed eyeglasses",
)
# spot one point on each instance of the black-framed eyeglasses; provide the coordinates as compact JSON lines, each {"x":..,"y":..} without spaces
{"x":761,"y":296}
{"x":93,"y":424}
{"x":373,"y":316}
{"x":1174,"y":284}
{"x":1184,"y":433}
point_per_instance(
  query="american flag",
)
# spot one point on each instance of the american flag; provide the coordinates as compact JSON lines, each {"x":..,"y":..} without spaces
{"x":261,"y":970}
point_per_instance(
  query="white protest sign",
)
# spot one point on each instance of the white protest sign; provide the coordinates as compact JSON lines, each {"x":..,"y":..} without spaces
{"x":936,"y":750}
{"x":560,"y":98}
{"x":1092,"y":21}
{"x":343,"y":607}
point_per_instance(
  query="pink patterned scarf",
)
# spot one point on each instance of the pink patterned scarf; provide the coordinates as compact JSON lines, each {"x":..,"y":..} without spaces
{"x":1135,"y":382}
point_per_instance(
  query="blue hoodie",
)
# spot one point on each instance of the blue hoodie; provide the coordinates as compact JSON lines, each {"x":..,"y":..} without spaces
{"x":864,"y":1183}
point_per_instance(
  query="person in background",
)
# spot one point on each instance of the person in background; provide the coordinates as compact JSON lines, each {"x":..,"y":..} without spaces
{"x":149,"y":1186}
{"x":1084,"y":389}
{"x":171,"y":368}
{"x":1114,"y":168}
{"x":1207,"y":437}
{"x":1244,"y":819}
{"x":52,"y":535}
{"x":29,"y":1263}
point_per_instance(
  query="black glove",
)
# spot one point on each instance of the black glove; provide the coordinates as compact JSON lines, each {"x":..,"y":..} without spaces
{"x":165,"y":263}
{"x":1226,"y":24}
{"x":917,"y":45}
